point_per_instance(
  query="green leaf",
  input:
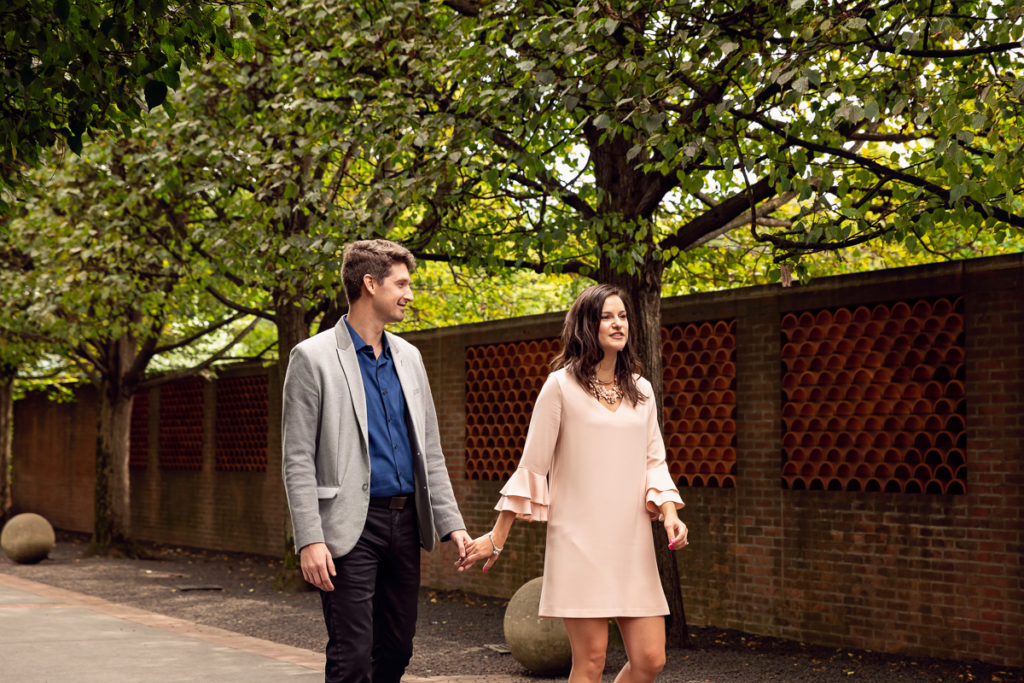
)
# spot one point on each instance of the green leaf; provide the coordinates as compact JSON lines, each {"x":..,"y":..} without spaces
{"x":156,"y":93}
{"x":75,"y":143}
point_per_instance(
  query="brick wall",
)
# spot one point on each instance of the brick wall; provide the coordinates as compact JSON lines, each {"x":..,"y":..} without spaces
{"x":936,"y":574}
{"x":185,"y":504}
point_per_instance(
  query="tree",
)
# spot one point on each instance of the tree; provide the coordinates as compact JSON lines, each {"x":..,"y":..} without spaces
{"x":259,"y":145}
{"x":612,"y":137}
{"x":83,"y":279}
{"x":10,"y":359}
{"x":75,"y":66}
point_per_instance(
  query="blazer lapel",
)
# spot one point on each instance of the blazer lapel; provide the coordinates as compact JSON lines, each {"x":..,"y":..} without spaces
{"x":410,"y":389}
{"x":354,"y":378}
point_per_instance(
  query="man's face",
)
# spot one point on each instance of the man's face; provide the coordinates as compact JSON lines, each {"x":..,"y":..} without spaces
{"x":391,"y":296}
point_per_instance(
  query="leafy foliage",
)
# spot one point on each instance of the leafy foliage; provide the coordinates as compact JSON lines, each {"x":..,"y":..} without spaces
{"x":71,"y":66}
{"x":86,"y":277}
{"x":609,"y":138}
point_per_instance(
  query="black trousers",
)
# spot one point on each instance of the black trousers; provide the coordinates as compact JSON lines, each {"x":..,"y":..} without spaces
{"x":371,"y":613}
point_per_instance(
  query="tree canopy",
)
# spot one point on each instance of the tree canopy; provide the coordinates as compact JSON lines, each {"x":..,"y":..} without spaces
{"x":71,"y":66}
{"x":624,"y":133}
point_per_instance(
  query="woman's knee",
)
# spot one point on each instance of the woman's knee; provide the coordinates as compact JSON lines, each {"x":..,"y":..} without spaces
{"x":648,"y":661}
{"x":588,"y":660}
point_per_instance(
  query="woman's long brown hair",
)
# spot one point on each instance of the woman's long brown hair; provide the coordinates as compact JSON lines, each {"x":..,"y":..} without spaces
{"x":581,"y":351}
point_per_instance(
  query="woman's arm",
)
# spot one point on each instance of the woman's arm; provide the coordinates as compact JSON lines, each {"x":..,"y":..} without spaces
{"x":489,"y":545}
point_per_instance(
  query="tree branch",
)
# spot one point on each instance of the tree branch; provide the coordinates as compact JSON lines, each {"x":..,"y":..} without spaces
{"x":882,"y":170}
{"x":464,"y":7}
{"x":201,"y":333}
{"x":944,"y":54}
{"x":241,"y":308}
{"x":718,"y":216}
{"x":188,"y":372}
{"x":572,"y":266}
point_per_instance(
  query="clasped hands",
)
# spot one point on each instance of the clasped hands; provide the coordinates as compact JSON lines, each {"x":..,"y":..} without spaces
{"x":483,"y":547}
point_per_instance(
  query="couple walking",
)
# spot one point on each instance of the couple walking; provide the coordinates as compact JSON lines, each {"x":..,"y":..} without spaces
{"x":367,"y":485}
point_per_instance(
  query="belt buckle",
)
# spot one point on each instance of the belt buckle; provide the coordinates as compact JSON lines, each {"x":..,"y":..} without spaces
{"x":397,"y":502}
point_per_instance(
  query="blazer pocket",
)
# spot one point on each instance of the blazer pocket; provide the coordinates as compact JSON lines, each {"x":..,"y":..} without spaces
{"x":326,"y":492}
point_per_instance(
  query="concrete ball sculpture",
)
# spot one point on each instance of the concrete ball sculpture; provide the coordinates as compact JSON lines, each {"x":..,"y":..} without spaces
{"x":27,"y":538}
{"x":540,"y":645}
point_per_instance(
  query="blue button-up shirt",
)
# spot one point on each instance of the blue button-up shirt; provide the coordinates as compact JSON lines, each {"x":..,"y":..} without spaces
{"x":390,"y":448}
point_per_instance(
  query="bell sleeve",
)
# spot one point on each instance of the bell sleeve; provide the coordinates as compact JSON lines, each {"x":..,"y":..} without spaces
{"x":526,"y":491}
{"x":659,"y":487}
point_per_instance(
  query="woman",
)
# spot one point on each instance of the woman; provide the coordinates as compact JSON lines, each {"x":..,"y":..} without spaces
{"x":595,"y":431}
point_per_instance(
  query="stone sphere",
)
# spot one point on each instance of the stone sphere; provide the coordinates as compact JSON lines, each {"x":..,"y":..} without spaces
{"x":540,"y":645}
{"x":27,"y":538}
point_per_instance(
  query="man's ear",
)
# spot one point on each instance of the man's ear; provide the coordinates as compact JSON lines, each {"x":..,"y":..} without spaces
{"x":369,"y":283}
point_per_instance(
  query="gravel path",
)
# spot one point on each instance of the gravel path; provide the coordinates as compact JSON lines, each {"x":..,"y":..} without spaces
{"x":458,"y":633}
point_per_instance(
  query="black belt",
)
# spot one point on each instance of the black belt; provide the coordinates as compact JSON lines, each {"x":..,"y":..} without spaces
{"x":391,"y":502}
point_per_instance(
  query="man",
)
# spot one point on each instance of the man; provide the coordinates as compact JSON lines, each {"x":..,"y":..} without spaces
{"x":363,"y":469}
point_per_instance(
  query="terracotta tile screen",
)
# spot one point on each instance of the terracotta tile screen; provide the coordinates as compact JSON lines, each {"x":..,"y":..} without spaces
{"x":181,"y":425}
{"x":873,"y":398}
{"x":700,"y":402}
{"x":502,"y":383}
{"x":242,"y":424}
{"x":503,"y":380}
{"x":138,"y":435}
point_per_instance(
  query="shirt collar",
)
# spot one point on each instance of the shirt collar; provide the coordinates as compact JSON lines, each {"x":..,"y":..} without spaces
{"x":361,"y":346}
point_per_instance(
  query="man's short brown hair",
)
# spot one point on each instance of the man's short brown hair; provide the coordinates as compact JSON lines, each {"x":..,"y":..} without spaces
{"x":373,"y":258}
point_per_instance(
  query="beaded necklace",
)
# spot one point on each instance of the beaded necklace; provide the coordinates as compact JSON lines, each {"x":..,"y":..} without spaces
{"x":609,"y":395}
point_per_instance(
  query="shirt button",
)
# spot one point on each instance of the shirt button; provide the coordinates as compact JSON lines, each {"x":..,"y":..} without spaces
{"x":366,"y":486}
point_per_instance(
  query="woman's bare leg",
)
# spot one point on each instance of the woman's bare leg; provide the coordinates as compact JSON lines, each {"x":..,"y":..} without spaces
{"x":644,"y":638}
{"x":589,"y":641}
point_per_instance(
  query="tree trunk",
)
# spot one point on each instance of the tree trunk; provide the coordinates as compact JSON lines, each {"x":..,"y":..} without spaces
{"x":292,"y":328}
{"x":112,"y":523}
{"x":6,"y":438}
{"x":337,"y":307}
{"x":644,"y":290}
{"x":112,"y":499}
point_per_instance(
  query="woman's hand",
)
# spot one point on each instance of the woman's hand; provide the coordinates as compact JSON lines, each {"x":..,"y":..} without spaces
{"x":482,"y":548}
{"x":677,"y":532}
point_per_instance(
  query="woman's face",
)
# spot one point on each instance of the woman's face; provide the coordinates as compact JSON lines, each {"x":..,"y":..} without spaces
{"x":614,"y":329}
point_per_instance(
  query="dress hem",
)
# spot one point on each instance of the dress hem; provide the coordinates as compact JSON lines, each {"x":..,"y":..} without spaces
{"x":604,"y":613}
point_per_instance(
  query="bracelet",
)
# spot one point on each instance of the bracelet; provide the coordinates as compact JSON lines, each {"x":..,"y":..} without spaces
{"x":496,"y":550}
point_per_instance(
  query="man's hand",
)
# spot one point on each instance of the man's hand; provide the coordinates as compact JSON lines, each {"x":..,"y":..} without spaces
{"x":317,"y":565}
{"x":479,"y":549}
{"x":461,"y":540}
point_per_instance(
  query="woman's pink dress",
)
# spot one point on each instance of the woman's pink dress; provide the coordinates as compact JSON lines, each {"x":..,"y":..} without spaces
{"x":608,"y":479}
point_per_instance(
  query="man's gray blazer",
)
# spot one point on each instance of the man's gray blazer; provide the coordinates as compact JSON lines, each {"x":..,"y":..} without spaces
{"x":326,"y":458}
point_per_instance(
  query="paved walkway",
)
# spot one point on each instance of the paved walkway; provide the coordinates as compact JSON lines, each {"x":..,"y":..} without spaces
{"x":49,"y":634}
